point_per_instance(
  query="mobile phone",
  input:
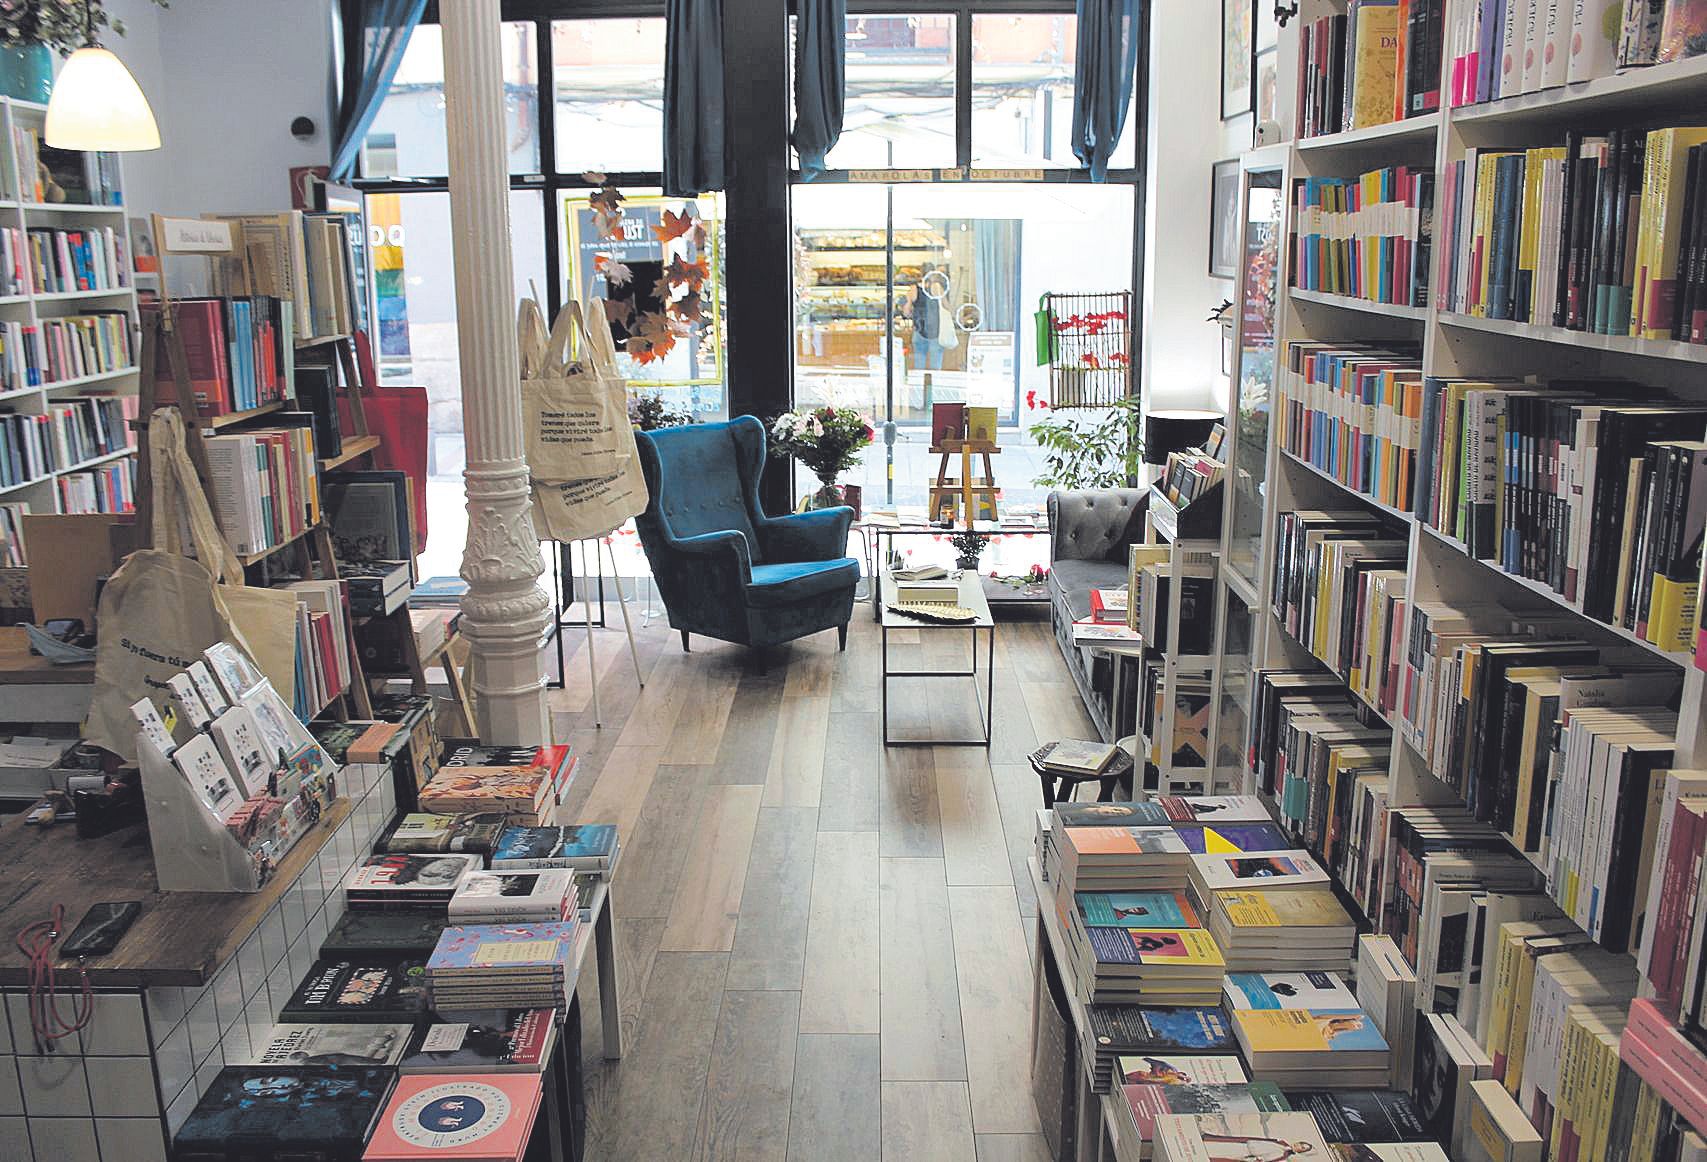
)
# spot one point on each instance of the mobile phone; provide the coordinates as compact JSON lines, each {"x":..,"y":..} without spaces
{"x":101,"y":929}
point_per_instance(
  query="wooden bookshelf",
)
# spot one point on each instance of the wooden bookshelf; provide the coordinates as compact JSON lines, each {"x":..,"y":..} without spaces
{"x":354,"y":448}
{"x":230,"y":419}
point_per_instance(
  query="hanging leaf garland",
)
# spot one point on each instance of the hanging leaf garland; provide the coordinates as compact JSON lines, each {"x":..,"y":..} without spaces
{"x":652,"y":334}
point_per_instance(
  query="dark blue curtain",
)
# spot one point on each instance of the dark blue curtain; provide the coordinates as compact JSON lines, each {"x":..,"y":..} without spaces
{"x":1104,"y":67}
{"x":383,"y":36}
{"x":693,"y":97}
{"x":820,"y":81}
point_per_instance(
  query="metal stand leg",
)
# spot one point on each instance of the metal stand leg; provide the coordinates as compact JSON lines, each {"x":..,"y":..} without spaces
{"x":627,"y":626}
{"x":610,"y":1010}
{"x":592,"y":662}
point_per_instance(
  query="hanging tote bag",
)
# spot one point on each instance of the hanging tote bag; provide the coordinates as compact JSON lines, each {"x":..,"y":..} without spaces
{"x":576,"y":411}
{"x":575,"y":508}
{"x":161,"y":609}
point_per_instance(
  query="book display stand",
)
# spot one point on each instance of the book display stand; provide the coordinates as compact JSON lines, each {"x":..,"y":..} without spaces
{"x":967,"y":494}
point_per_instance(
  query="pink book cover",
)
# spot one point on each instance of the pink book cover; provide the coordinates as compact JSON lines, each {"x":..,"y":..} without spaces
{"x":472,"y":1117}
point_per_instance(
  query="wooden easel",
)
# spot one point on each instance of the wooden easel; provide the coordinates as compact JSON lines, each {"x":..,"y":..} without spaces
{"x":967,"y":487}
{"x":315,"y":557}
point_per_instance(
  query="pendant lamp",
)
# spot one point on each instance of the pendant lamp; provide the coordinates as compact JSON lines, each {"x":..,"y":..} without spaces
{"x":97,"y":104}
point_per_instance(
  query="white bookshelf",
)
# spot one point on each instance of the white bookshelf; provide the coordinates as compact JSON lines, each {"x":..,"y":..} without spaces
{"x":1439,"y":567}
{"x":41,"y":493}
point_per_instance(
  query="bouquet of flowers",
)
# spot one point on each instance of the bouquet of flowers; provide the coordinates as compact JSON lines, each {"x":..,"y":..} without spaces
{"x":827,"y":440}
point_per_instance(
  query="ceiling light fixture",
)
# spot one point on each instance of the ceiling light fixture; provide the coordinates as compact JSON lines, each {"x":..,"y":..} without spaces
{"x":97,"y":104}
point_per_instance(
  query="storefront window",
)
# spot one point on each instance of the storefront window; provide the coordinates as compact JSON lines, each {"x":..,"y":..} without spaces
{"x":899,"y":109}
{"x":1022,"y":92}
{"x":608,"y":76}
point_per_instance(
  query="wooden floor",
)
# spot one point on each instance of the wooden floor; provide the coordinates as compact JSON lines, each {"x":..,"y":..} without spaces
{"x":823,"y":943}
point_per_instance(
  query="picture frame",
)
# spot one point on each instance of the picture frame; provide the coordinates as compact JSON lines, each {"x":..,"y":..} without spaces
{"x":1224,"y":219}
{"x":1238,"y":58}
{"x":1266,"y":84}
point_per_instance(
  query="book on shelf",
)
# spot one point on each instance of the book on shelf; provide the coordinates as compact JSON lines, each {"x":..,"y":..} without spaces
{"x":1189,"y":475}
{"x":402,"y":935}
{"x":1370,"y":237}
{"x":239,"y":354}
{"x":1377,"y":62}
{"x":265,"y":485}
{"x":1304,"y":1047}
{"x":407,"y":881}
{"x":492,"y":897}
{"x":322,"y":1111}
{"x":1152,"y":601}
{"x":423,"y":832}
{"x":270,"y":257}
{"x":513,"y":965}
{"x":1148,"y":1036}
{"x":1078,"y":757}
{"x":1272,"y":870}
{"x":110,"y":488}
{"x":474,"y":1116}
{"x":1203,"y":1137}
{"x":1108,"y":606}
{"x":376,"y":1044}
{"x":50,"y":351}
{"x":1144,"y":1103}
{"x":1294,"y":928}
{"x":495,"y":1041}
{"x":361,"y":990}
{"x":1353,"y":412}
{"x":1361,"y":1116}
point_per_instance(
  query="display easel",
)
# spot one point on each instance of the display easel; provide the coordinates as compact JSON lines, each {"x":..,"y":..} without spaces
{"x":949,"y":491}
{"x":201,"y":238}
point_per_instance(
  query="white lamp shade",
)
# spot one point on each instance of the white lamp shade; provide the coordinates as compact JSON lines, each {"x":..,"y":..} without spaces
{"x":97,"y":105}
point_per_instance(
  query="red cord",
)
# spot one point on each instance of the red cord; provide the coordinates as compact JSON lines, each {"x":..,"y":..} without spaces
{"x":36,"y":942}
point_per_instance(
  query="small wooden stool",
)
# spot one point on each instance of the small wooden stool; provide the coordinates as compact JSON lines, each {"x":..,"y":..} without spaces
{"x":1118,"y":767}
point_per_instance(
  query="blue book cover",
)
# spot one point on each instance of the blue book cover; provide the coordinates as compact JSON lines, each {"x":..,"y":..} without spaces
{"x":1233,"y":837}
{"x":1135,"y":910}
{"x":504,"y":946}
{"x":323,"y":1111}
{"x":1179,"y":1028}
{"x":589,"y":842}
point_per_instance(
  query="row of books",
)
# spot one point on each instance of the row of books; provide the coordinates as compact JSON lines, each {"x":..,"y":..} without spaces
{"x":46,"y":174}
{"x":1606,"y":234}
{"x":1368,"y":237}
{"x":1376,"y":63}
{"x":1189,"y":475}
{"x":304,"y":259}
{"x":63,"y":261}
{"x":34,"y":446}
{"x":1353,"y":412}
{"x":108,"y":488}
{"x":1498,"y":48}
{"x":240,"y":353}
{"x":264,"y":485}
{"x":959,"y":421}
{"x":54,"y":350}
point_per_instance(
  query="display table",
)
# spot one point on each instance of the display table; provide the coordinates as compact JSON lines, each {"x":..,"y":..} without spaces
{"x":972,"y":598}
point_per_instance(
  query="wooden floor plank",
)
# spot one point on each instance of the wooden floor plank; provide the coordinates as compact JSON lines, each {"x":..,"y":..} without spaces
{"x":636,"y":953}
{"x":850,"y":795}
{"x":1013,"y":1148}
{"x":653,"y":715}
{"x":744,"y":752}
{"x":744,"y":1117}
{"x":647,"y":874}
{"x":927,"y":1121}
{"x":854,"y":682}
{"x":911,"y":823}
{"x":651,"y":1108}
{"x":1019,"y":799}
{"x":620,"y":790}
{"x":837,"y":1105}
{"x":707,"y":687}
{"x":708,"y":895}
{"x":576,"y":694}
{"x":1056,"y":711}
{"x":916,"y":978}
{"x":974,"y":847}
{"x":776,"y":904}
{"x":812,"y":667}
{"x":994,"y":972}
{"x":795,"y":775}
{"x":839,"y":993}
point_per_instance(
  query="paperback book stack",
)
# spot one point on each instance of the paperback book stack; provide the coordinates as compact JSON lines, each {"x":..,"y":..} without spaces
{"x":349,"y":1044}
{"x":1289,"y":929}
{"x":524,"y":783}
{"x":1306,"y":1030}
{"x":475,"y":1117}
{"x":1131,"y":946}
{"x":1270,"y":870}
{"x":422,"y":832}
{"x":1145,"y":1044}
{"x":583,"y":847}
{"x":322,"y":1112}
{"x":491,"y":897}
{"x":1121,"y":858}
{"x":1145,"y":1103}
{"x":1368,"y":1123}
{"x":413,"y":882}
{"x":504,"y":966}
{"x":1287,"y":1137}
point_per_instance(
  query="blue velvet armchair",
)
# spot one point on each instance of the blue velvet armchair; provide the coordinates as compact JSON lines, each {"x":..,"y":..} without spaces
{"x":724,"y":568}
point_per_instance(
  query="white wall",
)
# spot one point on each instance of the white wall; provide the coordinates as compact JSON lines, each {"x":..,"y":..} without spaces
{"x":226,"y":78}
{"x":1181,"y":355}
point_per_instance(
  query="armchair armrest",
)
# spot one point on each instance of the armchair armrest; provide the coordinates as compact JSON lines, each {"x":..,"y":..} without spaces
{"x":724,"y":554}
{"x":820,"y":535}
{"x":1096,"y":524}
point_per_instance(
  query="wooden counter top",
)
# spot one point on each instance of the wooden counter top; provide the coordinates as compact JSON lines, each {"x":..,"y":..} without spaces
{"x":18,"y":665}
{"x":181,"y":938}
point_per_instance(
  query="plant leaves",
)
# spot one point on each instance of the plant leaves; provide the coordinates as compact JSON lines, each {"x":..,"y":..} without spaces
{"x":673,"y":226}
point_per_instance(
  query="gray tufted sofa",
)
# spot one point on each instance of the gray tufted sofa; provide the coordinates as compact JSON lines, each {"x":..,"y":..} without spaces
{"x":1090,"y":532}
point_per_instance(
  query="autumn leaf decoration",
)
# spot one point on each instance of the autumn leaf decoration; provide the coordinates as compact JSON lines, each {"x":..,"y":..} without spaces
{"x":652,"y":334}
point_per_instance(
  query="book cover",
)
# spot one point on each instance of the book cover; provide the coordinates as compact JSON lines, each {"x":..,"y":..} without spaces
{"x":1184,"y":948}
{"x":1135,"y":909}
{"x":1292,"y":908}
{"x":343,"y":1044}
{"x":1309,"y":1031}
{"x":403,"y":878}
{"x":1149,"y":1102}
{"x":493,"y":1041}
{"x":1272,"y":1137}
{"x":513,"y":895}
{"x":584,"y":845}
{"x":365,"y":933}
{"x":319,"y":1111}
{"x":1162,"y":1028}
{"x":1123,"y":841}
{"x":1079,"y":757}
{"x":1276,"y":869}
{"x":1175,"y":1069}
{"x":358,"y":990}
{"x":482,"y":1116}
{"x":1230,"y":838}
{"x":948,"y":422}
{"x":1214,"y":809}
{"x":1287,"y":990}
{"x":1110,"y":814}
{"x":1374,"y":74}
{"x":1361,"y":1115}
{"x":547,"y":945}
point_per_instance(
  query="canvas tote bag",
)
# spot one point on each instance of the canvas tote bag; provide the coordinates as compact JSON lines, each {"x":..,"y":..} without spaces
{"x":578,"y":506}
{"x":161,"y":609}
{"x":576,"y":410}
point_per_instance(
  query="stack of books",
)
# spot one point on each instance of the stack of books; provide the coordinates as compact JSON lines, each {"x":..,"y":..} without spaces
{"x":586,"y":847}
{"x":457,"y":1115}
{"x":305,"y":1111}
{"x":524,"y":783}
{"x":495,"y":1041}
{"x":1108,"y":606}
{"x":1287,"y":929}
{"x":1126,"y":1041}
{"x":1131,"y":946}
{"x":1203,"y":1137}
{"x":1387,"y":991}
{"x":1147,"y":1102}
{"x":491,"y":897}
{"x":1269,"y":870}
{"x":337,"y":1044}
{"x":1076,"y":758}
{"x":422,"y":832}
{"x":1379,"y":1123}
{"x":377,"y":588}
{"x":404,"y":881}
{"x":504,"y":966}
{"x":361,"y":989}
{"x":1337,"y":1046}
{"x":1124,"y":858}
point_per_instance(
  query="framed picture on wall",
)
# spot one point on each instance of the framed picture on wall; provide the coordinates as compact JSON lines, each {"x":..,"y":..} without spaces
{"x":1268,"y":85}
{"x":1237,"y":61}
{"x":1224,"y":219}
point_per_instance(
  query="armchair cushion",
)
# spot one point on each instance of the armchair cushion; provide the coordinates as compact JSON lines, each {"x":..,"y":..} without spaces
{"x":821,"y":535}
{"x":775,"y":585}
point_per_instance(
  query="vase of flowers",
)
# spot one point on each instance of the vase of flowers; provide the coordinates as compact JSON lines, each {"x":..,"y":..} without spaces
{"x":827,"y":440}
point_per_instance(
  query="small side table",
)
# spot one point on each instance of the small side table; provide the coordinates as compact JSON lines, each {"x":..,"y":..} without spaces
{"x":1118,"y":767}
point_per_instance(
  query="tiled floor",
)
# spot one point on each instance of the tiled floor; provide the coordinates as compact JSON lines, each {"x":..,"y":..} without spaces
{"x":823,"y":942}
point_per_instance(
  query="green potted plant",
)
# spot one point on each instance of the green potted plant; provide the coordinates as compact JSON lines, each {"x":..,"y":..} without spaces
{"x":968,"y":546}
{"x":1089,"y":448}
{"x":827,"y":440}
{"x":31,"y":31}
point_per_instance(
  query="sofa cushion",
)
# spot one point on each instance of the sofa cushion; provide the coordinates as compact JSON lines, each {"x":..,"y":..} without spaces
{"x":775,"y":585}
{"x":1074,"y":580}
{"x":1096,"y":524}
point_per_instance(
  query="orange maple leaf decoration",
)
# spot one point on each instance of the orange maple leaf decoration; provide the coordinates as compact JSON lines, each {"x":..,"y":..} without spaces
{"x":652,"y":338}
{"x":689,"y":274}
{"x":674,"y":225}
{"x":616,"y":273}
{"x":606,"y":204}
{"x":690,"y":308}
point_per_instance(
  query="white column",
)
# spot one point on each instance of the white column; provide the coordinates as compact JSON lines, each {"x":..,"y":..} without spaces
{"x":505,"y":612}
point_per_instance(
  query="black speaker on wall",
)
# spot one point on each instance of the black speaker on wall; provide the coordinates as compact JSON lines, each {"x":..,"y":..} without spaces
{"x":1175,"y":430}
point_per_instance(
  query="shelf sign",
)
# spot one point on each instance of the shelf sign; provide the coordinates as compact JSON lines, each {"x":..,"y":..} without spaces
{"x":194,"y":236}
{"x":891,"y":175}
{"x":1007,"y":175}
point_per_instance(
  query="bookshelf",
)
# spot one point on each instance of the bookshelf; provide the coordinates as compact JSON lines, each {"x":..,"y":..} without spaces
{"x":31,"y":308}
{"x":1438,"y":566}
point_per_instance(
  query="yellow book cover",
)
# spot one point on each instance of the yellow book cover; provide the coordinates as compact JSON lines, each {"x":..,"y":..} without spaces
{"x":1647,"y":202}
{"x":981,"y":424}
{"x":1375,"y":65}
{"x":1659,"y":305}
{"x":1486,"y":166}
{"x":1517,"y":1031}
{"x":1296,"y":908}
{"x":1644,"y":1138}
{"x":1499,"y":1012}
{"x":1529,"y":225}
{"x":1180,"y":947}
{"x":1671,"y":612}
{"x":1307,"y":1030}
{"x":1566,"y":1088}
